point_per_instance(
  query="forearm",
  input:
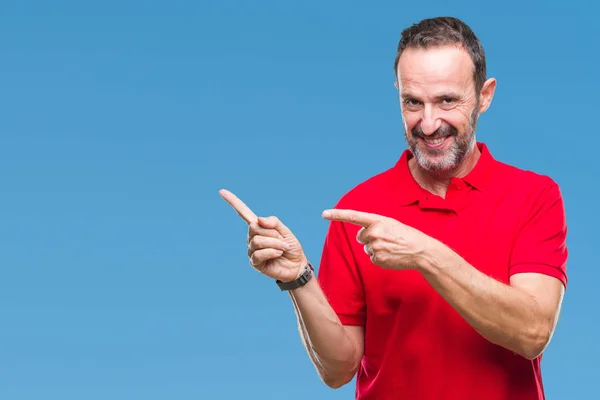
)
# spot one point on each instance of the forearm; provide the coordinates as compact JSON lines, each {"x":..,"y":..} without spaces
{"x":504,"y":315}
{"x":330,"y":347}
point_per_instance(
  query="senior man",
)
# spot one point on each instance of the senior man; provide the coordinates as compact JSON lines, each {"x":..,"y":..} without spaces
{"x":443,"y":276}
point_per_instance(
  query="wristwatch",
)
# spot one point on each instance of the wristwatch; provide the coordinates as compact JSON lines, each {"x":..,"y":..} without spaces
{"x":298,"y":282}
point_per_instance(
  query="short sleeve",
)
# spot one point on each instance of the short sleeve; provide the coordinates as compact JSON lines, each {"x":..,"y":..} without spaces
{"x":540,"y":245}
{"x":339,"y":276}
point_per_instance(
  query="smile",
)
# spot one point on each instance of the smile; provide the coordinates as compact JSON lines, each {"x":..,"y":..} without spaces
{"x":434,"y":143}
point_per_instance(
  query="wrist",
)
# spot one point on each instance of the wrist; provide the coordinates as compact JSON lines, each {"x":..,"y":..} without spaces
{"x":305,"y":274}
{"x":304,"y":265}
{"x":432,"y":252}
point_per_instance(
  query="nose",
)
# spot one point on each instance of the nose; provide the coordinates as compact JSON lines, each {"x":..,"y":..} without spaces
{"x":430,"y":122}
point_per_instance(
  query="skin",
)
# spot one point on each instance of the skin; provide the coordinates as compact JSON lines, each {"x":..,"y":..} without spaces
{"x":334,"y":349}
{"x":520,"y":317}
{"x":437,"y":92}
{"x":437,"y":98}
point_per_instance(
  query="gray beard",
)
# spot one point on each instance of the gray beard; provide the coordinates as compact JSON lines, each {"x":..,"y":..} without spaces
{"x":452,"y":157}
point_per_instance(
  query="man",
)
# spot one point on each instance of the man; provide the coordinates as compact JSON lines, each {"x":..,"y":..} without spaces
{"x":442,"y":277}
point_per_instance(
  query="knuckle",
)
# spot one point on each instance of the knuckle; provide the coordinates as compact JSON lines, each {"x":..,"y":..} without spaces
{"x":360,"y":234}
{"x":254,"y":242}
{"x":255,"y":259}
{"x":253,"y":228}
{"x":273,"y":233}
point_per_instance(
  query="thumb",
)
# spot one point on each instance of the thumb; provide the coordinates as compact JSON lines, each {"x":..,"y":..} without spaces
{"x":275,"y":223}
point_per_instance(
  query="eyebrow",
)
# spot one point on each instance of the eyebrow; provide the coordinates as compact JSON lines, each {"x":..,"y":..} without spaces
{"x":442,"y":95}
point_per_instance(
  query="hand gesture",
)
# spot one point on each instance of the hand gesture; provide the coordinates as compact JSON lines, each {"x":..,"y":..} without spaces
{"x":390,"y":243}
{"x":272,"y":248}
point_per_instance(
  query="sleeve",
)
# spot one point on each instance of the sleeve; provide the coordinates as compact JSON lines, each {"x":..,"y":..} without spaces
{"x":540,"y":245}
{"x":339,"y":276}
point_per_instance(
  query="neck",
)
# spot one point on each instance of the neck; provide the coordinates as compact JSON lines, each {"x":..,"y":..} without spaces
{"x":437,"y":183}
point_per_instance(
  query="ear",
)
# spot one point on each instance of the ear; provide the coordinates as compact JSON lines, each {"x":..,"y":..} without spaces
{"x":486,"y":95}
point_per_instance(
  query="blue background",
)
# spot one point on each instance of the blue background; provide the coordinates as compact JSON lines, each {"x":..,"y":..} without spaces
{"x":124,"y":275}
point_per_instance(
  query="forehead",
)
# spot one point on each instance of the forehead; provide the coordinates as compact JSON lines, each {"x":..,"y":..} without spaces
{"x":435,"y":68}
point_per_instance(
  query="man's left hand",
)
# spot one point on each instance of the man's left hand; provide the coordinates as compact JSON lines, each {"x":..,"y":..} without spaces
{"x":390,"y":243}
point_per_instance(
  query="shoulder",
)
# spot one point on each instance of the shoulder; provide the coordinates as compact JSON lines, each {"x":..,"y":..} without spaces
{"x":530,"y":194}
{"x":523,"y":180}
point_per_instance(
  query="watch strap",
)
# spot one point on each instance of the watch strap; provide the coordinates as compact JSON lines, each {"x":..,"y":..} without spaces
{"x":298,"y":282}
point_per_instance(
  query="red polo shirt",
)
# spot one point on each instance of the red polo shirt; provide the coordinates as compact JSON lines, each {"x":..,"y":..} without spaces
{"x":503,"y":221}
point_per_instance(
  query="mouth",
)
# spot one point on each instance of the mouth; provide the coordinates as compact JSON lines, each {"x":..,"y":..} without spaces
{"x":435,"y":143}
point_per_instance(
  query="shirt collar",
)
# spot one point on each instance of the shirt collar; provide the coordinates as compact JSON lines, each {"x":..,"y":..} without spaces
{"x":410,"y":192}
{"x":480,"y":175}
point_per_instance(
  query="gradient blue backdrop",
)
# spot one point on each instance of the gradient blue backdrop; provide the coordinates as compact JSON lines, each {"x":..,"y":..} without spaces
{"x":124,"y":275}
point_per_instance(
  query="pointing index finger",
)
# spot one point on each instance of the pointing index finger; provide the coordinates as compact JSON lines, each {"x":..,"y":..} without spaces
{"x":354,"y":217}
{"x":238,"y":205}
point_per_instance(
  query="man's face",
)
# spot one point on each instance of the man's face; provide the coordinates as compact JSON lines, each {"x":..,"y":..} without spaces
{"x":439,"y":105}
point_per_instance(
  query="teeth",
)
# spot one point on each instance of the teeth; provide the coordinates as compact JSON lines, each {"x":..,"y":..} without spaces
{"x":435,"y":141}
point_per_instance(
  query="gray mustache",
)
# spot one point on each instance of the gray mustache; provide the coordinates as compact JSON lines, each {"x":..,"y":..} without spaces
{"x":443,"y":131}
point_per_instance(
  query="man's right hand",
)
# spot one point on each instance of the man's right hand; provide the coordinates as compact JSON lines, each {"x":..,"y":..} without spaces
{"x":272,"y":248}
{"x":335,"y":350}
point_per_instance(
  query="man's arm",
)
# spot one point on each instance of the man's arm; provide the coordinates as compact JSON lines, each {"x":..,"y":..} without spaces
{"x":521,"y":316}
{"x":335,"y":349}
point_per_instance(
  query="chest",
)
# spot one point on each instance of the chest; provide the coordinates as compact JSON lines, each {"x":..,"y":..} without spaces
{"x":480,"y":232}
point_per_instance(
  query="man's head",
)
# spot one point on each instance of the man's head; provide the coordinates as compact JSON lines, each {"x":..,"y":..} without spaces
{"x":441,"y":76}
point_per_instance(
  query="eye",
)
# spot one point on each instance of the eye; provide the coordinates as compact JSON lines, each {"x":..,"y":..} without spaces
{"x":411,"y":102}
{"x":448,"y":101}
